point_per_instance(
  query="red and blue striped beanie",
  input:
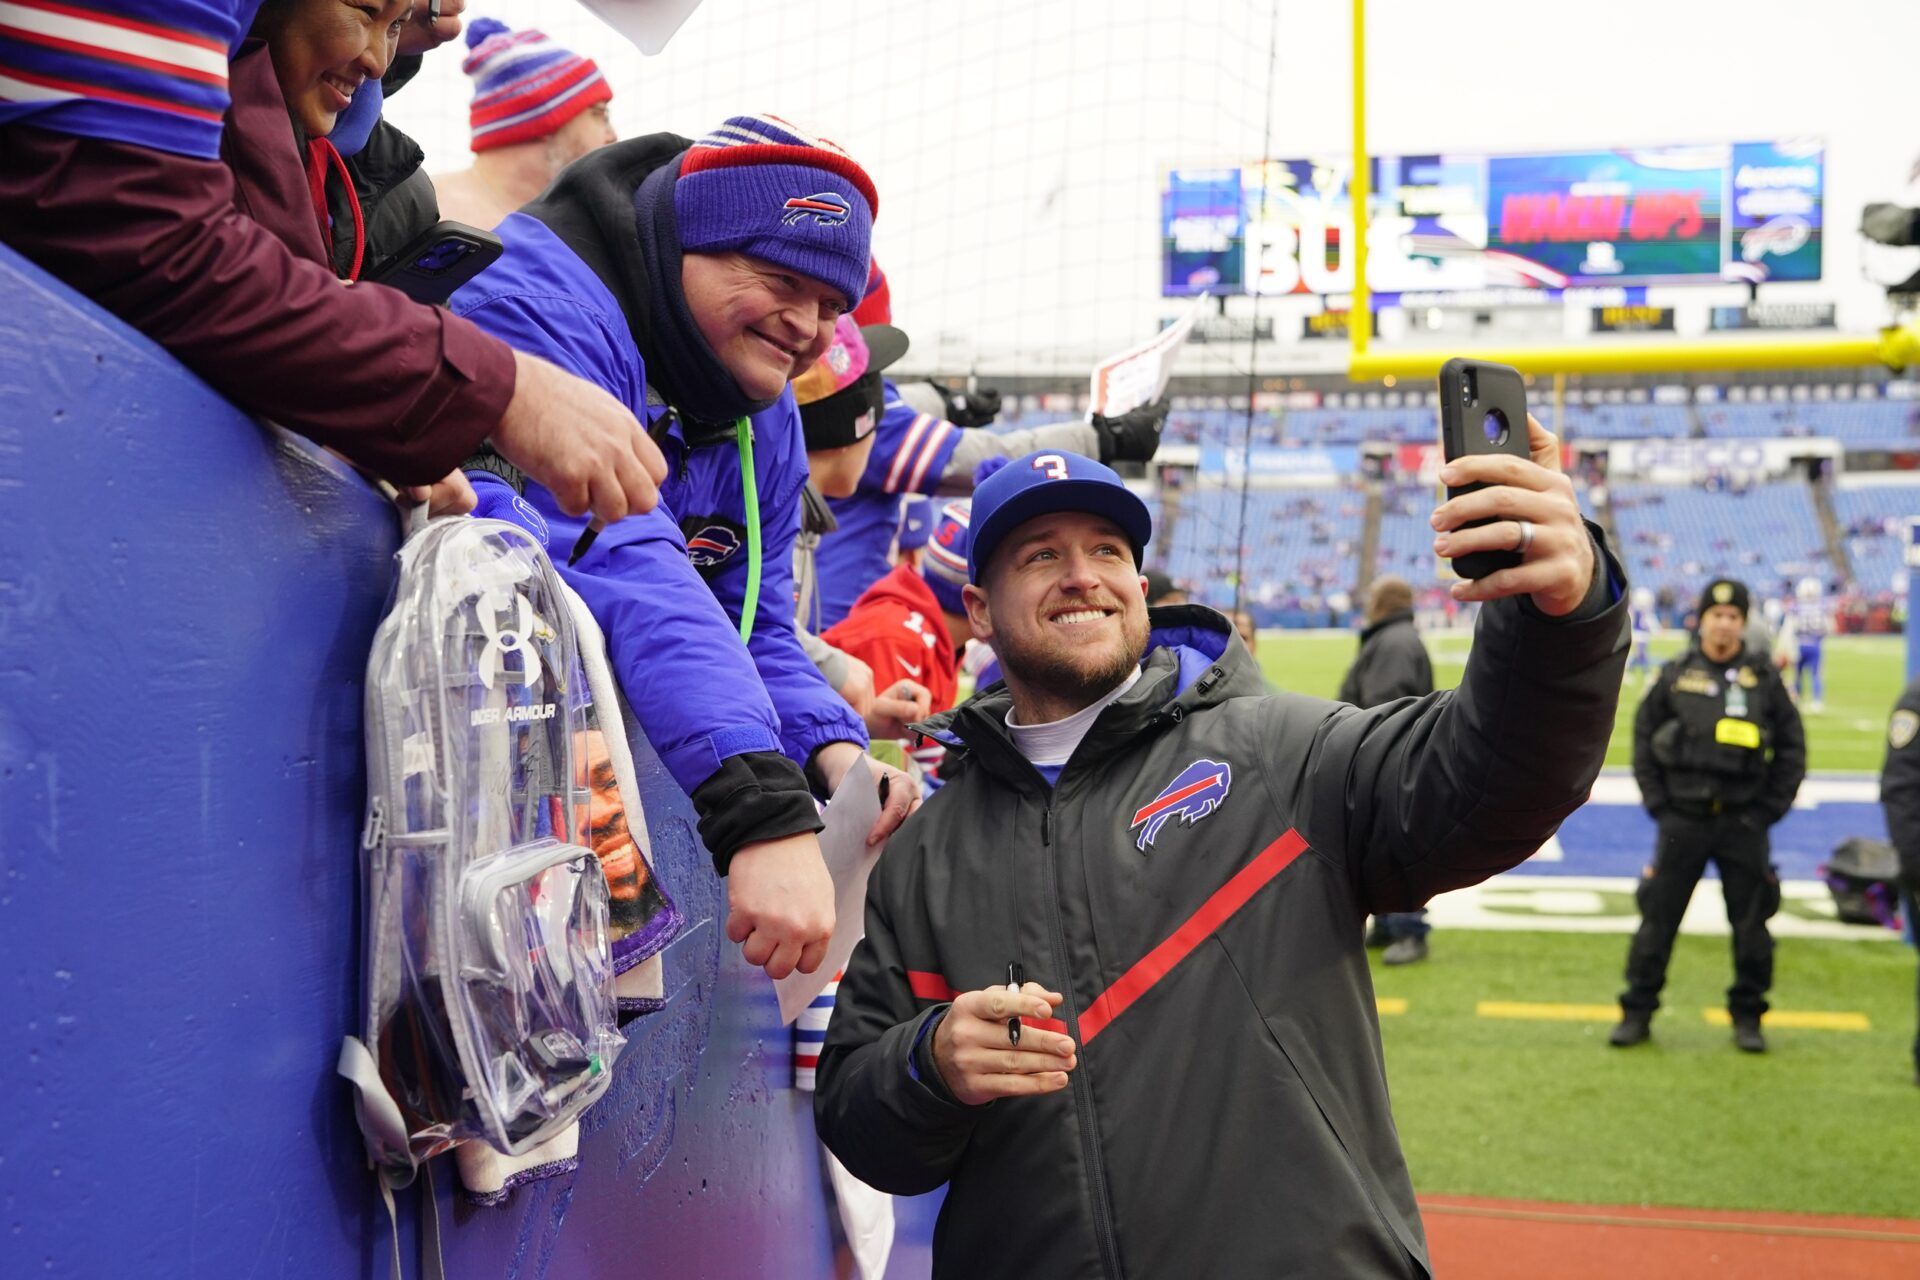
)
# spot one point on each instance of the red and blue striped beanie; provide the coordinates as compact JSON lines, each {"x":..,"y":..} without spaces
{"x":758,"y":185}
{"x":877,"y":306}
{"x":944,"y":561}
{"x":524,"y":85}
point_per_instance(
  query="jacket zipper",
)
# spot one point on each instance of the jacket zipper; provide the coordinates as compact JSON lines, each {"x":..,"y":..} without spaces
{"x":1082,"y":1086}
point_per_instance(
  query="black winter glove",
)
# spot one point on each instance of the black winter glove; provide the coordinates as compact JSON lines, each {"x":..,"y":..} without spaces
{"x":965,"y":408}
{"x":1134,"y":436}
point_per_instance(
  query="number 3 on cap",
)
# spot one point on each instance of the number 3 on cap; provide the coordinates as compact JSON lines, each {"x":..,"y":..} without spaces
{"x":1053,"y":464}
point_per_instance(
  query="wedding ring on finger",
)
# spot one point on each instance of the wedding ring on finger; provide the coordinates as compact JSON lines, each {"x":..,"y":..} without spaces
{"x":1525,"y":542}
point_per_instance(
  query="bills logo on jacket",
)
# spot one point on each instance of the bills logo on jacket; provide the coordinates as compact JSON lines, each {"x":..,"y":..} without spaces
{"x":711,"y":541}
{"x":828,"y":208}
{"x":1198,"y":791}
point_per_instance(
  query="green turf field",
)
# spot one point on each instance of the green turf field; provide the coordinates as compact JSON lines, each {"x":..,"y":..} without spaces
{"x":1545,"y":1110}
{"x":1863,"y":679}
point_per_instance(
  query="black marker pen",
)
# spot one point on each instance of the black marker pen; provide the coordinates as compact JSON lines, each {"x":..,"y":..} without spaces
{"x":1014,"y":980}
{"x":585,"y":543}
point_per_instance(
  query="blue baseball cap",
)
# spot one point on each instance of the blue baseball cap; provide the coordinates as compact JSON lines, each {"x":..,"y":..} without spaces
{"x":1042,"y":483}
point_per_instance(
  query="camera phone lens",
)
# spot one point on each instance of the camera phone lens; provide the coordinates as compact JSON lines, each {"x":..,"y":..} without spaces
{"x":1495,"y":425}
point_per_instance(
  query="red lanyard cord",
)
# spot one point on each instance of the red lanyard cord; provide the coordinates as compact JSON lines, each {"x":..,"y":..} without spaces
{"x":320,"y":157}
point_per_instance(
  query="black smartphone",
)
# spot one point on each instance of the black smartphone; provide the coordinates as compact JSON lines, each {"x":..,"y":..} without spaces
{"x":1483,"y":409}
{"x":438,"y":261}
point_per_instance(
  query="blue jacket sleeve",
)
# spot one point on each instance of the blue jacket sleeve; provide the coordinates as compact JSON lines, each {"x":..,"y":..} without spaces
{"x":173,"y":100}
{"x":743,"y":787}
{"x":910,"y":449}
{"x":661,"y":622}
{"x":812,"y":713}
{"x":580,"y":339}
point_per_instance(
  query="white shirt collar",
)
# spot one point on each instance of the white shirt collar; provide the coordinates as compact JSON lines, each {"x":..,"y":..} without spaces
{"x":1054,"y":743}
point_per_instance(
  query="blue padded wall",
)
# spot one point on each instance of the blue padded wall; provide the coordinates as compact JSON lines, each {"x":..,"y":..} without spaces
{"x":186,"y":602}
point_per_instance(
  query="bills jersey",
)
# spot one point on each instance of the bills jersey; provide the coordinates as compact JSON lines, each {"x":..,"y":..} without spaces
{"x":1812,"y":620}
{"x":139,"y":71}
{"x":910,"y":453}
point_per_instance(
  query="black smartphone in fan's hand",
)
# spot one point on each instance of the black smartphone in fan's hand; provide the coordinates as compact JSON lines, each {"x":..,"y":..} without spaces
{"x":1483,"y":409}
{"x":438,"y":261}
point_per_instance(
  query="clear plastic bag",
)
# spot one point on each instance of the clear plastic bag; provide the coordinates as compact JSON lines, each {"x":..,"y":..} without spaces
{"x":489,"y":975}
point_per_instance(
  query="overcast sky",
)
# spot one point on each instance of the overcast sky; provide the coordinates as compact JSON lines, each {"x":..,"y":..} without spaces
{"x":1019,"y":146}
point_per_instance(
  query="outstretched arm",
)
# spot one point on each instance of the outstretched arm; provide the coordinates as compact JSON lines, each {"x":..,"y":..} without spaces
{"x":1446,"y":791}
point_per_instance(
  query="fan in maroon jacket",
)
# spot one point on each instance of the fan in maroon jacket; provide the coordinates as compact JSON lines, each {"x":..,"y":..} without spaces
{"x":114,"y":185}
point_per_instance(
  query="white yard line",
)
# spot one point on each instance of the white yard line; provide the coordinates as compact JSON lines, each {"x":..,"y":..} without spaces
{"x":1604,"y":904}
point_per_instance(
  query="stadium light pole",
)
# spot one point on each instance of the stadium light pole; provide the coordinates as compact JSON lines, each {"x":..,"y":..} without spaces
{"x":1896,"y":347}
{"x":1912,"y":560}
{"x":1359,"y":188}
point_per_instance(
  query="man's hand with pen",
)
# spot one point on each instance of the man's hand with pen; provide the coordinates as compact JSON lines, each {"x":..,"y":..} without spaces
{"x":975,"y":1050}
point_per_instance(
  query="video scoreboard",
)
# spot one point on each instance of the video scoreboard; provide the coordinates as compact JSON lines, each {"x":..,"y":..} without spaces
{"x":1739,"y":211}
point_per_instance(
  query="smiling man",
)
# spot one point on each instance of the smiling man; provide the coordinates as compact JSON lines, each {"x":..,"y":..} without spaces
{"x":1177,"y":863}
{"x":693,"y":280}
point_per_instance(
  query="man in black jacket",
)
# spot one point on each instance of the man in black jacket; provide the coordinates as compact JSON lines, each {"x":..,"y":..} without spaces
{"x":1718,"y":753}
{"x":1900,"y":795}
{"x":1112,"y":990}
{"x":1392,"y":663}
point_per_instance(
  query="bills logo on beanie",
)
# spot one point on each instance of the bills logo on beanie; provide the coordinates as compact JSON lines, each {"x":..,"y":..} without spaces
{"x":758,"y":185}
{"x":944,"y":562}
{"x":825,"y":207}
{"x":524,"y":85}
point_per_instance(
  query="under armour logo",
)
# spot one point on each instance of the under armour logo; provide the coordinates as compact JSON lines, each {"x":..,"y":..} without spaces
{"x":501,"y":641}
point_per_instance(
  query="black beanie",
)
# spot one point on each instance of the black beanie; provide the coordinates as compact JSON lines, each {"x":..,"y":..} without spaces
{"x":1724,"y":591}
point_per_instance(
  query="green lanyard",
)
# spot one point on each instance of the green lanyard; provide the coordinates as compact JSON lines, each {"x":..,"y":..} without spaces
{"x":750,"y":489}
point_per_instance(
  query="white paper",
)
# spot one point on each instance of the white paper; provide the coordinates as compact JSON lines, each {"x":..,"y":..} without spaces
{"x":867,"y":1217}
{"x":850,"y":814}
{"x":1138,"y":375}
{"x":648,"y":23}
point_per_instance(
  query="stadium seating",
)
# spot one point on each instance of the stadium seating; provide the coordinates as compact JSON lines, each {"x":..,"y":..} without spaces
{"x":1678,"y":536}
{"x":1873,"y":519}
{"x":1405,"y":546}
{"x":1625,"y":421}
{"x":1852,"y":422}
{"x":1303,"y":545}
{"x":1302,"y":550}
{"x":1353,"y":426}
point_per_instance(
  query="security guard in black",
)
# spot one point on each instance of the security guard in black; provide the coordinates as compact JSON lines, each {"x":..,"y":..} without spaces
{"x":1719,"y":753}
{"x":1900,"y":796}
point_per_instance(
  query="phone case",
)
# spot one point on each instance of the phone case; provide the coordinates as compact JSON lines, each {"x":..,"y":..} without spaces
{"x":1483,"y":409}
{"x":439,"y":261}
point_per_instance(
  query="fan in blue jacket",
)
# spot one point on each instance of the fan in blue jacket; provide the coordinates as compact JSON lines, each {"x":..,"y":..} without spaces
{"x":693,"y":281}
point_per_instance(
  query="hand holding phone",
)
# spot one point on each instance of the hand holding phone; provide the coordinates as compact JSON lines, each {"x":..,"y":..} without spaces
{"x":438,"y":261}
{"x":1511,"y":521}
{"x":1483,"y":409}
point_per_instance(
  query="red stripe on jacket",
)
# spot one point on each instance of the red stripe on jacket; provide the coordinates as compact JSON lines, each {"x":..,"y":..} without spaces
{"x":1199,"y":926}
{"x":1159,"y":962}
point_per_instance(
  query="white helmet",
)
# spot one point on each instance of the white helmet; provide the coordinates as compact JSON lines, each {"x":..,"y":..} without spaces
{"x":1808,"y":590}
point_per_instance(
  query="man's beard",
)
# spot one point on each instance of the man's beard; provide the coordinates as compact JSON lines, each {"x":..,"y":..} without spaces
{"x":1079,"y":676}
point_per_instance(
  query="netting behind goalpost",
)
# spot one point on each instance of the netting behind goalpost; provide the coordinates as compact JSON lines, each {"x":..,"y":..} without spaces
{"x":1020,"y":151}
